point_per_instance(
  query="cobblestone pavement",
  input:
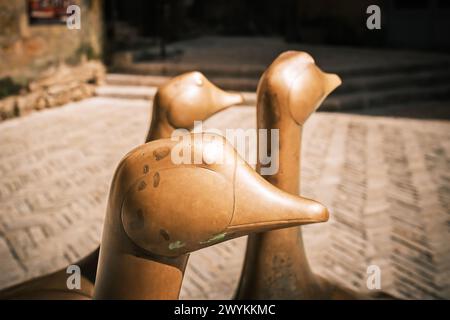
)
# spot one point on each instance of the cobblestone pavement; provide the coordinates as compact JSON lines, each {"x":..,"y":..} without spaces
{"x":385,"y":180}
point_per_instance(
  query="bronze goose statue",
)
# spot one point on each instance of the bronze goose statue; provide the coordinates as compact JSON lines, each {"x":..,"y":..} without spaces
{"x":177,"y":104}
{"x":158,"y":212}
{"x":160,"y":209}
{"x":276,"y":266}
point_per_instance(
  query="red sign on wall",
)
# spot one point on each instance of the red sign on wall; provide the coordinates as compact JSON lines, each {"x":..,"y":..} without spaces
{"x":48,"y":10}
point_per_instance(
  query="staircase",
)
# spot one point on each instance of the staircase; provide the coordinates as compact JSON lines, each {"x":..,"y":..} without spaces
{"x":361,"y":89}
{"x":365,"y":87}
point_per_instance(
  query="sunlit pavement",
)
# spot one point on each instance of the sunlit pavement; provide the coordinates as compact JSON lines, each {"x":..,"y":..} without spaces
{"x":385,"y":180}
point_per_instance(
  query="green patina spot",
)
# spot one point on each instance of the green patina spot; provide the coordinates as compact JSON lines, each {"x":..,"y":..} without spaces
{"x":217,"y":237}
{"x":176,"y":245}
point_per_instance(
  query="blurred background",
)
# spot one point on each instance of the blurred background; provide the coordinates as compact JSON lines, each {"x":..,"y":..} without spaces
{"x":73,"y":101}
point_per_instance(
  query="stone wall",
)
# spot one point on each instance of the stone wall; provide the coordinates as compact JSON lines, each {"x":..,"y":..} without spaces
{"x":31,"y":52}
{"x":55,"y":87}
{"x":28,"y":49}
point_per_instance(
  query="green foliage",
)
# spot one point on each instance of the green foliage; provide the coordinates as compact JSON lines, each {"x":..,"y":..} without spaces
{"x":9,"y":87}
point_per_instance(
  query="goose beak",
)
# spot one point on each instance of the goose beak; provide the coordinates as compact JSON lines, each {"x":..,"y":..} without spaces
{"x":332,"y":81}
{"x":192,"y":97}
{"x":225,"y":99}
{"x":259,"y":206}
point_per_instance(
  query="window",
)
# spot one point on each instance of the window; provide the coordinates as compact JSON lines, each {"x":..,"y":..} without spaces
{"x":47,"y":11}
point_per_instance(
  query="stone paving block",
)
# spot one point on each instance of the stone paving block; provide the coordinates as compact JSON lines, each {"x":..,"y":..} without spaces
{"x":385,"y":181}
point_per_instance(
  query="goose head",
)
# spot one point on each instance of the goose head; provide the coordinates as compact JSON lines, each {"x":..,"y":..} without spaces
{"x":185,"y":195}
{"x":294,"y":87}
{"x":184,"y":99}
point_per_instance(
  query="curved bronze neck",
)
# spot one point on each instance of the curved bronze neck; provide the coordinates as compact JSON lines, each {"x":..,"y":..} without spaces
{"x":126,"y":271}
{"x":276,"y":266}
{"x":160,"y":127}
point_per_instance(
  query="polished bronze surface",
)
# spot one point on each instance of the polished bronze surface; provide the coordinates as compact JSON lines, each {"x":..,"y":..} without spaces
{"x":185,"y":99}
{"x":276,"y":266}
{"x":158,"y":212}
{"x":178,"y":104}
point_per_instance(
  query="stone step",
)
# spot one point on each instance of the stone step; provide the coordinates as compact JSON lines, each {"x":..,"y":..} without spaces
{"x":119,"y":79}
{"x":172,"y":69}
{"x":141,"y":91}
{"x":353,"y":101}
{"x":378,"y":82}
{"x":254,"y":71}
{"x":429,"y":109}
{"x":226,"y":83}
{"x":336,"y":102}
{"x":407,"y":68}
{"x":394,"y":96}
{"x":359,"y":83}
{"x":126,"y":92}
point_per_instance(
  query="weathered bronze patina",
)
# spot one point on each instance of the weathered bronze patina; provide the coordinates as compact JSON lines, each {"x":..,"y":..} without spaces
{"x":276,"y":266}
{"x":158,"y":212}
